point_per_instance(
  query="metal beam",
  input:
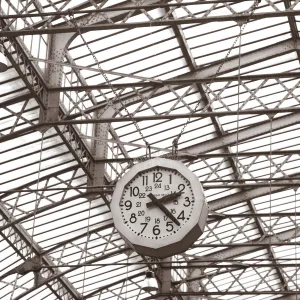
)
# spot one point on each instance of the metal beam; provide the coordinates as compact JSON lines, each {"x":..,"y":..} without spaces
{"x":198,"y":264}
{"x":244,"y":134}
{"x":57,"y":275}
{"x":109,"y":188}
{"x":193,"y":67}
{"x":247,"y":195}
{"x":45,"y":208}
{"x":250,"y":204}
{"x":37,"y":250}
{"x":15,"y":100}
{"x":223,"y":254}
{"x":24,"y":236}
{"x":12,"y":243}
{"x":242,"y":250}
{"x":296,"y":296}
{"x":293,"y":26}
{"x":110,"y":26}
{"x":272,"y":254}
{"x":231,"y":64}
{"x":247,"y":59}
{"x":21,"y":132}
{"x":220,"y":255}
{"x":179,"y":81}
{"x":227,"y":293}
{"x":187,"y":157}
{"x":117,"y":8}
{"x":37,"y":87}
{"x":84,"y":151}
{"x":117,"y":13}
{"x":270,"y":111}
{"x":34,"y":182}
{"x":82,"y":148}
{"x":81,"y":79}
{"x":213,"y":144}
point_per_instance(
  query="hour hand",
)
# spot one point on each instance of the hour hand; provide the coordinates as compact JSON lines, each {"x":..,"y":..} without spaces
{"x":166,"y":198}
{"x":157,"y":203}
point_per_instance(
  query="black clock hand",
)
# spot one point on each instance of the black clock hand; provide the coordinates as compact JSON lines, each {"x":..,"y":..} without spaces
{"x":166,"y":198}
{"x":157,"y":203}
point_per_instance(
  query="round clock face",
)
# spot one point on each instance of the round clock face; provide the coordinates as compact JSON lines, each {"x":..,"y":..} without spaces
{"x":157,"y":203}
{"x":159,"y":207}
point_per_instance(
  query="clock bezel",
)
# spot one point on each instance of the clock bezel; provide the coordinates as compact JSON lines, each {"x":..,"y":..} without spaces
{"x":188,"y":210}
{"x":185,"y":235}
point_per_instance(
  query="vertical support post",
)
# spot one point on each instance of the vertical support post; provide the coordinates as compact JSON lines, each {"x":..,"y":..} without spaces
{"x":99,"y":147}
{"x":54,"y":73}
{"x":165,"y":276}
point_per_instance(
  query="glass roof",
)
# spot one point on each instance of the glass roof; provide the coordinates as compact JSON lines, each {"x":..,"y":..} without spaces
{"x":163,"y":64}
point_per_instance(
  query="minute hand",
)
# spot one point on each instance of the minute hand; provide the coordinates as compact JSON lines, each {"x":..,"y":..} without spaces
{"x":166,"y":198}
{"x":163,"y":208}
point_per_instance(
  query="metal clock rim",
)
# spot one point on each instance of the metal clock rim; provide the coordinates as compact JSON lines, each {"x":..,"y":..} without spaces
{"x":153,"y":168}
{"x":184,"y":231}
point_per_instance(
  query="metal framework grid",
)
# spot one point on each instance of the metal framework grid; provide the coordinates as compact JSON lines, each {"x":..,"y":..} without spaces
{"x":62,"y":129}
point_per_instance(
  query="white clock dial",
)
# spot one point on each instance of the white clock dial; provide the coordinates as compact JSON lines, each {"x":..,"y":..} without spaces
{"x":151,"y":205}
{"x":159,"y":207}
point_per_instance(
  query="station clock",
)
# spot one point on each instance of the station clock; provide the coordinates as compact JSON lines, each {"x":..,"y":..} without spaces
{"x":159,"y":207}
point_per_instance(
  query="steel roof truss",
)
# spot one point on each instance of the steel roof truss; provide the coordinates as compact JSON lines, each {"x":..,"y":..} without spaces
{"x":168,"y":22}
{"x":23,"y":63}
{"x":231,"y":64}
{"x":30,"y":246}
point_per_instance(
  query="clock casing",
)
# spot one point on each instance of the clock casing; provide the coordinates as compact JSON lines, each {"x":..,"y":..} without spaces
{"x":148,"y":230}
